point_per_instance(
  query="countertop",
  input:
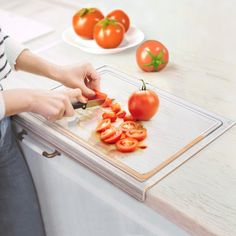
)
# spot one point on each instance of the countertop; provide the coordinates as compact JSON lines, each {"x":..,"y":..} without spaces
{"x":199,"y":196}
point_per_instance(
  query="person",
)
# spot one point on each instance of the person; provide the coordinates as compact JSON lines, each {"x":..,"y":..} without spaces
{"x":19,"y":207}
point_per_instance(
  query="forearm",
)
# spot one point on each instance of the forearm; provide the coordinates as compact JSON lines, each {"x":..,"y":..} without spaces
{"x":30,"y":62}
{"x":17,"y":100}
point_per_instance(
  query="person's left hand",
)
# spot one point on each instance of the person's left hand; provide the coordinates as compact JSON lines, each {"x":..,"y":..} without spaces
{"x":82,"y":76}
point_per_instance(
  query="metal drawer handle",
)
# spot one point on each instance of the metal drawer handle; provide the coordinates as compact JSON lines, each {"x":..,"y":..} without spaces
{"x":20,"y":135}
{"x":51,"y":155}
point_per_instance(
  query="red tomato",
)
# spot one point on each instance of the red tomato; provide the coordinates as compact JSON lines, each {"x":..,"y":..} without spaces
{"x":109,"y":115}
{"x":129,"y":125}
{"x":152,"y":56}
{"x":107,"y":103}
{"x":100,"y":95}
{"x":129,"y":118}
{"x":121,"y":114}
{"x":103,"y":125}
{"x":85,"y":20}
{"x":139,"y":134}
{"x":127,"y":145}
{"x":143,"y":104}
{"x":109,"y":33}
{"x":121,"y":17}
{"x":108,"y":133}
{"x":116,"y":107}
{"x":114,"y":138}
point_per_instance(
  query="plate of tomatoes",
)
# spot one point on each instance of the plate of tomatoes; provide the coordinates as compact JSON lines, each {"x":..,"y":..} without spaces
{"x":95,"y":33}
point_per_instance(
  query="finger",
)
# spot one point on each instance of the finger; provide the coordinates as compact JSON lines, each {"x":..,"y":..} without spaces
{"x":86,"y":91}
{"x":93,"y":77}
{"x":76,"y":95}
{"x":69,"y":111}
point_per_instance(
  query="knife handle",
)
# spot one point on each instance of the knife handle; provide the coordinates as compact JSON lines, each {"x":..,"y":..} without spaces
{"x":77,"y":105}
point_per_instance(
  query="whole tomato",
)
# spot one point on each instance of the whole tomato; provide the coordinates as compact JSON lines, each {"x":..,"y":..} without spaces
{"x":152,"y":56}
{"x":108,"y":33}
{"x":143,"y":104}
{"x":85,"y":20}
{"x":121,"y":17}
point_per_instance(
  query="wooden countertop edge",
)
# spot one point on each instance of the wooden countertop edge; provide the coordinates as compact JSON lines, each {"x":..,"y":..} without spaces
{"x":177,"y":217}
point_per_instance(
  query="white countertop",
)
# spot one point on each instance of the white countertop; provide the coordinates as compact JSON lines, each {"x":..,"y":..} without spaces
{"x":200,"y":195}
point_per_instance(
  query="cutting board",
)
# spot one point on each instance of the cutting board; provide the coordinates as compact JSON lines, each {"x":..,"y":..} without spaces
{"x":175,"y":129}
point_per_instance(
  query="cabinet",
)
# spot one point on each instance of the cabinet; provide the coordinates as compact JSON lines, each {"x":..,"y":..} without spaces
{"x":76,"y":201}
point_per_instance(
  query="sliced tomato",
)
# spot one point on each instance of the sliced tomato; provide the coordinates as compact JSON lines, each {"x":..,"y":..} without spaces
{"x":100,"y":95}
{"x":108,"y":133}
{"x":142,"y":146}
{"x":139,"y":134}
{"x":103,"y":125}
{"x":109,"y":115}
{"x":116,"y":107}
{"x":107,"y":103}
{"x":130,"y":125}
{"x":121,"y":114}
{"x":114,"y":138}
{"x":127,"y":145}
{"x":129,"y":118}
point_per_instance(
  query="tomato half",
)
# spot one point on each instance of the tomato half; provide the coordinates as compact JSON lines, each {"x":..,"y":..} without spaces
{"x":120,"y":16}
{"x":139,"y":134}
{"x":85,"y":20}
{"x":152,"y":56}
{"x":127,"y":145}
{"x":107,"y":103}
{"x":103,"y":125}
{"x":109,"y":33}
{"x":108,"y":133}
{"x":114,"y":138}
{"x":109,"y":115}
{"x":143,"y":104}
{"x":121,"y":114}
{"x":100,"y":95}
{"x":116,"y":107}
{"x":129,"y":125}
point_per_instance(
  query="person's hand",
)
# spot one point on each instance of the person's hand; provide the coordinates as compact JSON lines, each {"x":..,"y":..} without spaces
{"x":82,"y":76}
{"x":54,"y":105}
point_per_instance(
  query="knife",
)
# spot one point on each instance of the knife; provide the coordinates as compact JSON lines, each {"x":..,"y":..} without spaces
{"x":90,"y":103}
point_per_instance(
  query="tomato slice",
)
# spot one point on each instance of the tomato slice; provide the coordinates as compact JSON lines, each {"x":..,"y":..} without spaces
{"x":107,"y":103}
{"x":108,"y":133}
{"x":138,"y":134}
{"x":116,"y":107}
{"x":121,"y":114}
{"x":100,"y":95}
{"x":129,"y":125}
{"x":129,"y":118}
{"x":127,"y":145}
{"x":103,"y":125}
{"x":109,"y":115}
{"x":114,"y":138}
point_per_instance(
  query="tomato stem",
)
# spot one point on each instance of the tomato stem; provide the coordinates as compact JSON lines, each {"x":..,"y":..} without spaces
{"x":144,"y":87}
{"x":156,"y":60}
{"x":84,"y":11}
{"x":106,"y":21}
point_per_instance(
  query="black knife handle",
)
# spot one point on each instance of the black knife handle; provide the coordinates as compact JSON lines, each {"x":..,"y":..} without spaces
{"x":77,"y":105}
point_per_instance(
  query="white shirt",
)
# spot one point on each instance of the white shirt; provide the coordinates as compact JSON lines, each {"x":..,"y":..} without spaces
{"x":9,"y":51}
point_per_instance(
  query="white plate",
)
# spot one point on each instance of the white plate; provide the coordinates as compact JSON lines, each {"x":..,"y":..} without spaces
{"x":133,"y":37}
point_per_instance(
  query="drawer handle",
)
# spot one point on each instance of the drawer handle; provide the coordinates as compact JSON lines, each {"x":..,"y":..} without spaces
{"x":51,"y":155}
{"x":20,"y":135}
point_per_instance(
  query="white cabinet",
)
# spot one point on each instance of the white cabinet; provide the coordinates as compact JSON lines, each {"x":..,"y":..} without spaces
{"x":76,"y":201}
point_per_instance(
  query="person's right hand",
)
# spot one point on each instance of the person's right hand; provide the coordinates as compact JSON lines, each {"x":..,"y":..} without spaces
{"x":54,"y":105}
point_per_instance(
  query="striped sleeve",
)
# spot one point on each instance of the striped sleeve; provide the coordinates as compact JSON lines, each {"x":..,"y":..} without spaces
{"x":2,"y":107}
{"x":13,"y":49}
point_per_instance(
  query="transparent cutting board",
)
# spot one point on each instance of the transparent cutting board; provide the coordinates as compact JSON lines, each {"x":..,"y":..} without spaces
{"x":175,"y":129}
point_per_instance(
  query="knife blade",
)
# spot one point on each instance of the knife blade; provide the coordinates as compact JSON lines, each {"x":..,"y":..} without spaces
{"x":90,"y":103}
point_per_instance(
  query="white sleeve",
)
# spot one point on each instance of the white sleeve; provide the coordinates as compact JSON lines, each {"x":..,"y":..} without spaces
{"x":2,"y":107}
{"x":13,"y":49}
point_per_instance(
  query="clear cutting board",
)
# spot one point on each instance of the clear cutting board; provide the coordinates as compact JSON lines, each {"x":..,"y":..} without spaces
{"x":175,"y":129}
